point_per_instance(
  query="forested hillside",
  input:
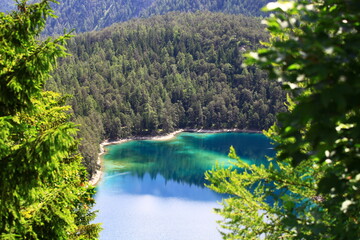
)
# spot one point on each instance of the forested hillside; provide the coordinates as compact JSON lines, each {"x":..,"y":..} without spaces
{"x":89,"y":15}
{"x":245,"y":7}
{"x":154,"y":75}
{"x":84,"y":16}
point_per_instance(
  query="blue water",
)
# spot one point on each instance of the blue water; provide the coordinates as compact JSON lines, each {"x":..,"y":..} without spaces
{"x":154,"y":190}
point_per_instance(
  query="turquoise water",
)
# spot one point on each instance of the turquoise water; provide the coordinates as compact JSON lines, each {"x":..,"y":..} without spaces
{"x":154,"y":190}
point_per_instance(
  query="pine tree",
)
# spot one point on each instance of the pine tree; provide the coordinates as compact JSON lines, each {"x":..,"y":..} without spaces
{"x":44,"y":194}
{"x":311,"y":189}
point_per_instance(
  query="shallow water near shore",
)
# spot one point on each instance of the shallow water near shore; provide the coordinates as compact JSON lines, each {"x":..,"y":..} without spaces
{"x":154,"y":190}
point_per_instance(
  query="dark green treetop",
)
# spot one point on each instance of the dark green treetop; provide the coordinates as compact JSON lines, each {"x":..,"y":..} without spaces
{"x":151,"y":76}
{"x":43,"y":188}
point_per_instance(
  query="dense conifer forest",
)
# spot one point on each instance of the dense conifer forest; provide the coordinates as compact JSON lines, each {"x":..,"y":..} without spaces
{"x":83,"y":16}
{"x":151,"y":76}
{"x":182,"y":70}
{"x":245,"y":7}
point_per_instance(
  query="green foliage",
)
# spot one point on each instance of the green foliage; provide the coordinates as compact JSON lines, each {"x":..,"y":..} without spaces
{"x":86,"y":16}
{"x":245,"y":7}
{"x":43,"y":185}
{"x":314,"y":53}
{"x":20,"y":53}
{"x":275,"y":201}
{"x":152,"y":76}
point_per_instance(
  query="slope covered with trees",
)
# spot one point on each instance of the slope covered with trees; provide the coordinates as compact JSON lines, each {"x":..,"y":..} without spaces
{"x":245,"y":7}
{"x":175,"y":71}
{"x":89,"y":15}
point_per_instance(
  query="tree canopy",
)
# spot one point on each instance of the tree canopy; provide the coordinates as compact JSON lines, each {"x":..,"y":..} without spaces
{"x":151,"y":76}
{"x":311,"y":189}
{"x":84,"y":16}
{"x":44,"y":194}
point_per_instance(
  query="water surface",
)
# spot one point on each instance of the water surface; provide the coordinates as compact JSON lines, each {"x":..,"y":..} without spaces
{"x":154,"y":190}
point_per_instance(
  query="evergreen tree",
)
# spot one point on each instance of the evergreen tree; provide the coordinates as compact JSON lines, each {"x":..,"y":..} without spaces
{"x":44,"y":190}
{"x":180,"y":70}
{"x":311,"y":189}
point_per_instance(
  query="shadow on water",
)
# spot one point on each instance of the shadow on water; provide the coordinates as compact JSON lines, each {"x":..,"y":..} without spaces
{"x":185,"y":158}
{"x":155,"y":189}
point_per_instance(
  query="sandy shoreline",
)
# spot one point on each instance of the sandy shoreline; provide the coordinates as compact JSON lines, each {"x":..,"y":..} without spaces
{"x":97,"y":176}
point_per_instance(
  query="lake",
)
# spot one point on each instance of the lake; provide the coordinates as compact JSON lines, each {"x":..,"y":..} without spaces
{"x":154,"y":190}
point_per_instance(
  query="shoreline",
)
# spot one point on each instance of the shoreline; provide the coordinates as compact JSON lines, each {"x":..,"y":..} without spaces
{"x":222,"y":130}
{"x":98,"y":174}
